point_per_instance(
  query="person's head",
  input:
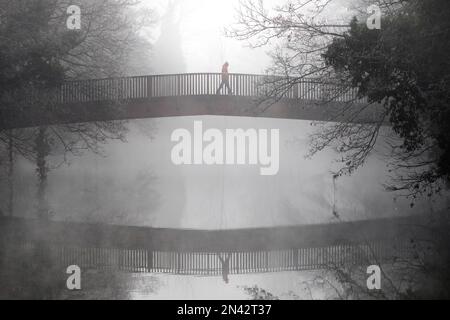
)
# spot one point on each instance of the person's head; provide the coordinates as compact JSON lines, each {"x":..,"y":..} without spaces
{"x":226,"y":63}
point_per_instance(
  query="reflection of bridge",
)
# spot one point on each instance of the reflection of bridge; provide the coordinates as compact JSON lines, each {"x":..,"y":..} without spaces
{"x":182,"y":95}
{"x":143,"y":249}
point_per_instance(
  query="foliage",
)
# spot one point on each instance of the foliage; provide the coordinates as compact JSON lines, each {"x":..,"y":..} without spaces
{"x":405,"y":67}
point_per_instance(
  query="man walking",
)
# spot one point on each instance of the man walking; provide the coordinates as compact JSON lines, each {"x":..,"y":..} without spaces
{"x":225,"y":79}
{"x":225,"y":266}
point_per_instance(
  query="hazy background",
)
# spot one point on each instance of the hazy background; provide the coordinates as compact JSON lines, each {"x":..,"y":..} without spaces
{"x":135,"y":182}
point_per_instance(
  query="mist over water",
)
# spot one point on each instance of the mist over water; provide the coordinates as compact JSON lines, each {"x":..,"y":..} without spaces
{"x":135,"y":183}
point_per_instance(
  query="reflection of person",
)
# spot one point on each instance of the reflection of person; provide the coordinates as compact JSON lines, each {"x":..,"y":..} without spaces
{"x":225,"y":79}
{"x":225,"y":266}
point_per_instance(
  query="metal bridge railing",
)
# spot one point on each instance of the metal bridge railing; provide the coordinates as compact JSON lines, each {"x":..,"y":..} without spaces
{"x":197,"y":84}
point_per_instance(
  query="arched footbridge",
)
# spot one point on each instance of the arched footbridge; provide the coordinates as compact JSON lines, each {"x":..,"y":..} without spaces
{"x":186,"y":95}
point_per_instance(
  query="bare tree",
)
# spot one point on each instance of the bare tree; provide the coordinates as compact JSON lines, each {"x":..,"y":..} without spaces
{"x":102,"y":48}
{"x":302,"y":38}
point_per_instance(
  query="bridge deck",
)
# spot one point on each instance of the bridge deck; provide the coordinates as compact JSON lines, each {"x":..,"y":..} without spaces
{"x":182,"y":95}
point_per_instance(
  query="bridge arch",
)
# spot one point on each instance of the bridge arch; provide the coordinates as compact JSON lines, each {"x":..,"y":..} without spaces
{"x":186,"y":95}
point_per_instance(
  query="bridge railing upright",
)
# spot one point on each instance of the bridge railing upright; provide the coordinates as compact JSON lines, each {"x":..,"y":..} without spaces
{"x":197,"y":84}
{"x":209,"y":264}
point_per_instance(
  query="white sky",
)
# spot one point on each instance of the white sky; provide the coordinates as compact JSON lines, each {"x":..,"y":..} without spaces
{"x":204,"y":45}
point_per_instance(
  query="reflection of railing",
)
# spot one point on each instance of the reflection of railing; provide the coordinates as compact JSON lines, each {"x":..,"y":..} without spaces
{"x":208,"y":264}
{"x":197,"y":84}
{"x":187,"y":251}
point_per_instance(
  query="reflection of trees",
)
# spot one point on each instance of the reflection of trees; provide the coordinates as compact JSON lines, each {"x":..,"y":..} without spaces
{"x":140,"y":199}
{"x":422,"y":273}
{"x":257,"y":293}
{"x":107,"y":285}
{"x":120,"y":200}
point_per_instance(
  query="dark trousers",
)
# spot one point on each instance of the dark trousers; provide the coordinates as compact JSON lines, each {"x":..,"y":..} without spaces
{"x":226,"y":84}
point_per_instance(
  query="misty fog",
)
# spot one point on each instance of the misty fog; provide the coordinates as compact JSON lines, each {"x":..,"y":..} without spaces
{"x":135,"y":183}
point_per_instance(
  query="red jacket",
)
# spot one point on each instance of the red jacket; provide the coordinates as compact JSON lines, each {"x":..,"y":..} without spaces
{"x":225,"y":72}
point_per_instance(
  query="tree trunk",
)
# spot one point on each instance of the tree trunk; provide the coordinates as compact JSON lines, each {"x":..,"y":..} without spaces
{"x":10,"y":176}
{"x":42,"y":150}
{"x":45,"y":278}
